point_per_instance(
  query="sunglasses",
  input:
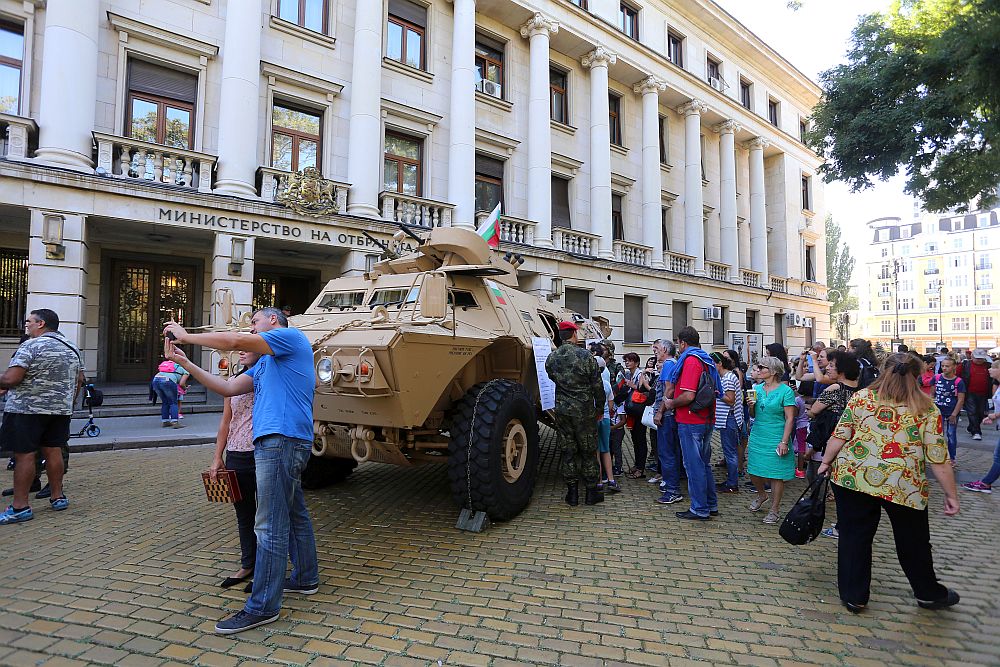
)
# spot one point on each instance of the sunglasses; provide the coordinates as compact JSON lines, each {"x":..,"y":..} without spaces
{"x":762,"y":368}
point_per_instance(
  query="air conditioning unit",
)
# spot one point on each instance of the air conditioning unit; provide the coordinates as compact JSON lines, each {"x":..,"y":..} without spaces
{"x":715,"y":82}
{"x":793,"y":319}
{"x":807,"y":322}
{"x":712,"y":313}
{"x":492,"y":88}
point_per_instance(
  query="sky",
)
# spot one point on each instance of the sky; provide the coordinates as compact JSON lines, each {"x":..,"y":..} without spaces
{"x":813,"y":39}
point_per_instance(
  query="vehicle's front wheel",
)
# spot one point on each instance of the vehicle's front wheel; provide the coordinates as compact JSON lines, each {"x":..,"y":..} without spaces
{"x":322,"y":471}
{"x":493,"y":451}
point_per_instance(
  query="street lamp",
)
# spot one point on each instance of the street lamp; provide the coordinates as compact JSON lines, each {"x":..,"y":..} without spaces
{"x":895,"y":290}
{"x":940,"y":313}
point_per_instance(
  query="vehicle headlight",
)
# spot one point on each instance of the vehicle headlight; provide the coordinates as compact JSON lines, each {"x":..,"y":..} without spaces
{"x":324,"y":370}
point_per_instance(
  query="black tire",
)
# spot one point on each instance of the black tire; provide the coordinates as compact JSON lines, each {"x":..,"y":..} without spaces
{"x":93,"y":430}
{"x":475,"y":458}
{"x":322,"y":471}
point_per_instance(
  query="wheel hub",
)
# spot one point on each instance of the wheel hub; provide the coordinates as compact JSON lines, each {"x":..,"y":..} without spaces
{"x":515,"y":451}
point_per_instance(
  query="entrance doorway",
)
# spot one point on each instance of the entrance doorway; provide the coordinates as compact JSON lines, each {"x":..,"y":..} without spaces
{"x":273,"y":286}
{"x":144,"y":295}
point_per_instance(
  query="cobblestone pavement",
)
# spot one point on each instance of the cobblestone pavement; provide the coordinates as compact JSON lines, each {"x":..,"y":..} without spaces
{"x":129,"y":576}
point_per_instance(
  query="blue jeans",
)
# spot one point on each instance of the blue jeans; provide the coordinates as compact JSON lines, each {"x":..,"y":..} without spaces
{"x":282,"y":524}
{"x":951,"y":435}
{"x":166,"y":391}
{"x":696,"y":445}
{"x":669,"y":455}
{"x":994,"y":472}
{"x":730,"y":443}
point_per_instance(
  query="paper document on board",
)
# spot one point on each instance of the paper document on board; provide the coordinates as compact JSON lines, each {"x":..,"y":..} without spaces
{"x":546,"y":387}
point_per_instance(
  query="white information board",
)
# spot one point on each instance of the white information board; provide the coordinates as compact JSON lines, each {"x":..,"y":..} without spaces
{"x":546,"y":387}
{"x":749,"y":345}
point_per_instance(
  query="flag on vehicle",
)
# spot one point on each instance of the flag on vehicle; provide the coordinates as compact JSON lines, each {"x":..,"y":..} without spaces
{"x":490,"y":229}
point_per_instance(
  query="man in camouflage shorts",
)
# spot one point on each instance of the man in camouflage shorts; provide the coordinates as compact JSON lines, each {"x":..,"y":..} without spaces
{"x":44,"y":375}
{"x":580,"y":401}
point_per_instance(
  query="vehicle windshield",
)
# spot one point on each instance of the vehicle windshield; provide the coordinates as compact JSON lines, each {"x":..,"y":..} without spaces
{"x":341,"y":300}
{"x":393,"y":296}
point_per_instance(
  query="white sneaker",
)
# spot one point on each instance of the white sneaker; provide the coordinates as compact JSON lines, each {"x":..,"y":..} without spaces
{"x":654,"y":480}
{"x":976,"y":436}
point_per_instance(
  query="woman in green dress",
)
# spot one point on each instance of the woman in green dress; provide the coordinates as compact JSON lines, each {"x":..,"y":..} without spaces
{"x":772,"y":404}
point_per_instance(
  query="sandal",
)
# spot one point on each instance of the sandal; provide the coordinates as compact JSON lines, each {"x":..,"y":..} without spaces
{"x":758,"y":504}
{"x":635,"y":473}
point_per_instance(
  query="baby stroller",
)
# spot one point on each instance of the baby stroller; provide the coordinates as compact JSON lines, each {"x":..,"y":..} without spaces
{"x":92,"y":398}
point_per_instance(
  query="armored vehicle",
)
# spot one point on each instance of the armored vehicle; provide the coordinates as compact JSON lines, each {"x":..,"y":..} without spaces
{"x":429,"y":357}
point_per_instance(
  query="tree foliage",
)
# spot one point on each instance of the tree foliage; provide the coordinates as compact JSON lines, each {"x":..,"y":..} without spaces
{"x":839,"y":268}
{"x":920,"y":90}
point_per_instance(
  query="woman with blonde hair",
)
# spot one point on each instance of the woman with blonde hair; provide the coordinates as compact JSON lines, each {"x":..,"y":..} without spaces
{"x":772,"y":405}
{"x":878,"y":456}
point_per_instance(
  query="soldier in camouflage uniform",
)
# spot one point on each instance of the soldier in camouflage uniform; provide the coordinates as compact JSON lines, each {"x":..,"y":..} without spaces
{"x":579,"y":404}
{"x":614,"y":367}
{"x":42,"y":380}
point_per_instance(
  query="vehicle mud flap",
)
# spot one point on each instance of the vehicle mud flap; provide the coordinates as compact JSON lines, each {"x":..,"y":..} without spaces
{"x":472,"y":521}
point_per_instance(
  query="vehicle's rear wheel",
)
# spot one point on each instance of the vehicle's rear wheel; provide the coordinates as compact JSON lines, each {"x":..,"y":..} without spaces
{"x":322,"y":471}
{"x":493,"y":452}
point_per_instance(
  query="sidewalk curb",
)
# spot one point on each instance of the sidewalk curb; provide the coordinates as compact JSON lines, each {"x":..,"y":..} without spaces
{"x":139,"y":444}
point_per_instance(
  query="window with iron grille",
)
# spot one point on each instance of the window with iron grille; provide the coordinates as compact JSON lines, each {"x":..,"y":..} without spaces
{"x":13,"y":291}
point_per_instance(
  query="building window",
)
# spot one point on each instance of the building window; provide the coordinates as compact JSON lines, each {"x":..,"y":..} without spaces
{"x":886,"y":326}
{"x":560,"y":203}
{"x":752,"y":316}
{"x":932,"y":324}
{"x":960,"y":324}
{"x":885,"y":305}
{"x":13,"y":291}
{"x":489,"y":67}
{"x":806,"y":193}
{"x":811,"y":263}
{"x":803,"y":129}
{"x":617,"y":222}
{"x":885,"y":251}
{"x":628,"y":20}
{"x":985,"y":299}
{"x":746,"y":93}
{"x":958,"y":301}
{"x":986,"y":323}
{"x":664,"y":136}
{"x":772,"y":111}
{"x":403,"y":164}
{"x":634,"y":319}
{"x":615,"y":118}
{"x":907,"y":326}
{"x":675,"y":48}
{"x":11,"y":64}
{"x":582,"y":4}
{"x":719,"y":327}
{"x":665,"y":228}
{"x":311,"y":14}
{"x":578,"y":300}
{"x":679,"y":315}
{"x":296,"y":141}
{"x":405,"y":29}
{"x":932,"y":302}
{"x":983,"y":263}
{"x":558,"y":99}
{"x":712,"y":73}
{"x":779,"y":328}
{"x":489,"y":183}
{"x":160,"y":104}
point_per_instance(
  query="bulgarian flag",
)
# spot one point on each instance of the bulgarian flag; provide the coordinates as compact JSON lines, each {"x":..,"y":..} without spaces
{"x":490,"y":229}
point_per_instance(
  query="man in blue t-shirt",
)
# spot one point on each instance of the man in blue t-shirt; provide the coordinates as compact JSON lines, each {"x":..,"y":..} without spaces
{"x":949,"y":396}
{"x":667,"y":445}
{"x":283,"y":382}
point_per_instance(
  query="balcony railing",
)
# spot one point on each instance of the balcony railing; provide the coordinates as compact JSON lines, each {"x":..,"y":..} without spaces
{"x":631,"y":253}
{"x":779,"y":285}
{"x":415,"y":211}
{"x":930,"y":272}
{"x":579,"y":243}
{"x":512,"y":230}
{"x":679,"y":263}
{"x":718,"y":272}
{"x":750,"y":278}
{"x":121,"y":157}
{"x":809,"y":289}
{"x":16,"y":132}
{"x":273,"y":183}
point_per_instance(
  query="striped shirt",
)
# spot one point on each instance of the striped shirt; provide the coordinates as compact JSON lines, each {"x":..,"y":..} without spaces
{"x":730,"y":382}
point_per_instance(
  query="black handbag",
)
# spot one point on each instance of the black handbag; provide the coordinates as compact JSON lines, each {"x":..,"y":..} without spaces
{"x":804,"y":521}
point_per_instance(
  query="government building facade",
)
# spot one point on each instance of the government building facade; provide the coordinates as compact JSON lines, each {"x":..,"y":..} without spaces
{"x":162,"y":158}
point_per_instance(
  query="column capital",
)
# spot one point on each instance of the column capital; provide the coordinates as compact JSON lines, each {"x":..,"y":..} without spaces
{"x":539,"y":24}
{"x":757,"y":143}
{"x":649,"y":85}
{"x":599,"y":57}
{"x":727,"y":127}
{"x":694,"y":107}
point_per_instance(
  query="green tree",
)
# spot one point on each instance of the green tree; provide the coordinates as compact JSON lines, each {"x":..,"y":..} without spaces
{"x":839,"y":268}
{"x":920,"y":91}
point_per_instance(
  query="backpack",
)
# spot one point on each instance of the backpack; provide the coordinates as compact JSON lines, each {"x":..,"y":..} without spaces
{"x":868,"y":373}
{"x":704,"y":395}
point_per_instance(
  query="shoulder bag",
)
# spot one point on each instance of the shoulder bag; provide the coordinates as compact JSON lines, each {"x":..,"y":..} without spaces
{"x":804,"y":521}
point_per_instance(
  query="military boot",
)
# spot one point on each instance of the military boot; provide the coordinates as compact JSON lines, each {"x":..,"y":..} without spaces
{"x":593,"y":496}
{"x":573,"y":494}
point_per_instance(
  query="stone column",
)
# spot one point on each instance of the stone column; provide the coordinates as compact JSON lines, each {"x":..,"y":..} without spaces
{"x":68,"y":104}
{"x":694,"y":199}
{"x":598,"y":61}
{"x":537,"y":31}
{"x":730,"y":240}
{"x":462,"y":120}
{"x":758,"y":212}
{"x":364,"y":143}
{"x":649,"y":88}
{"x":239,"y":101}
{"x":61,"y":284}
{"x":225,"y":276}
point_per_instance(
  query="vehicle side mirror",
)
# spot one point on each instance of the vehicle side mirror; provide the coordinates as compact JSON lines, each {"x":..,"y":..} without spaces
{"x":434,"y":296}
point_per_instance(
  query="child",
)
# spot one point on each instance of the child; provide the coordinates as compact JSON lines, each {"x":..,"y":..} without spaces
{"x":927,"y":377}
{"x":949,"y":396}
{"x":801,"y":429}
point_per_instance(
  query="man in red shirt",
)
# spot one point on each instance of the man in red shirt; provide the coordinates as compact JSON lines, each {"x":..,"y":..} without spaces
{"x":976,"y":373}
{"x":694,"y":427}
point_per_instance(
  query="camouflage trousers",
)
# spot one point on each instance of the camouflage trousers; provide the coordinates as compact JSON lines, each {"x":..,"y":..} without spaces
{"x":576,"y":437}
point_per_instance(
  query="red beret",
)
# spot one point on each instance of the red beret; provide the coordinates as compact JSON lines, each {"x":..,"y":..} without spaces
{"x":567,"y":326}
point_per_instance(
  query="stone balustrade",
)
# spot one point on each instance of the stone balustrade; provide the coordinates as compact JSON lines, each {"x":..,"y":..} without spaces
{"x":779,"y":285}
{"x":718,"y":272}
{"x":121,"y":157}
{"x":680,"y":263}
{"x":809,"y":289}
{"x":16,"y":133}
{"x":632,"y":253}
{"x":512,"y":230}
{"x":274,"y":181}
{"x":415,"y":211}
{"x":750,"y":278}
{"x":578,"y":243}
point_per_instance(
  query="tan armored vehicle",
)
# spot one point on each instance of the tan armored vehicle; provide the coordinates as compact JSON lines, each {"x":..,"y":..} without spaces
{"x":429,"y":357}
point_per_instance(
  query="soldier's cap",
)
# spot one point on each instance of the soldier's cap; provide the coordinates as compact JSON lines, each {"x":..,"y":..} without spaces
{"x":568,"y":326}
